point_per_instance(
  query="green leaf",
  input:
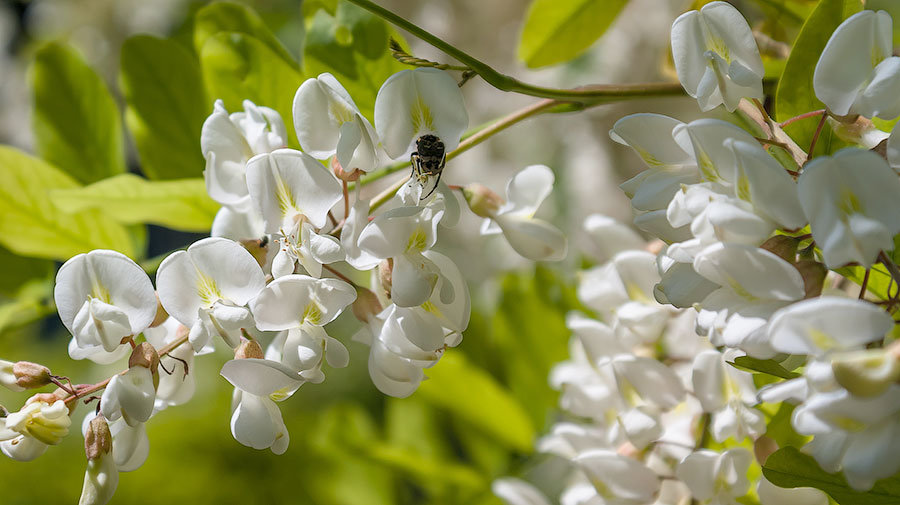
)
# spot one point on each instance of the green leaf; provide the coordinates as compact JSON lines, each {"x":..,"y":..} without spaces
{"x":879,"y":279}
{"x":76,"y":121}
{"x":166,"y":107}
{"x":893,"y":8}
{"x":17,"y":270}
{"x":353,"y":46}
{"x":237,"y":66}
{"x":788,"y":467}
{"x":795,"y":94}
{"x":33,"y":226}
{"x":559,"y":30}
{"x":180,"y":205}
{"x":472,"y":395}
{"x":779,"y":428}
{"x":232,"y":17}
{"x":766,"y":366}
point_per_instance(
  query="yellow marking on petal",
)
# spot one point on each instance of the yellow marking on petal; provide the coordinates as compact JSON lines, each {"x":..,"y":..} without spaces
{"x":849,"y":203}
{"x":208,"y":289}
{"x":283,"y":194}
{"x":648,"y":158}
{"x":743,"y":188}
{"x":312,"y":313}
{"x":740,"y":290}
{"x":704,"y":162}
{"x":635,"y":293}
{"x":281,"y":394}
{"x":821,"y":339}
{"x":851,"y":425}
{"x":340,"y":113}
{"x":432,"y":308}
{"x":421,"y":117}
{"x":418,"y":240}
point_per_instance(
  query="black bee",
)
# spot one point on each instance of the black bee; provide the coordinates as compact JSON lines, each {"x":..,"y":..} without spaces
{"x":427,"y":160}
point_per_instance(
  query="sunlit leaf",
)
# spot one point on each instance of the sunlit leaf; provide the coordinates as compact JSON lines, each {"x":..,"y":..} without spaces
{"x":788,"y":467}
{"x":76,"y":122}
{"x":221,"y":17}
{"x":237,"y":66}
{"x":766,"y":366}
{"x":166,"y":106}
{"x":471,"y":394}
{"x":559,"y":30}
{"x":180,"y":204}
{"x":30,"y":225}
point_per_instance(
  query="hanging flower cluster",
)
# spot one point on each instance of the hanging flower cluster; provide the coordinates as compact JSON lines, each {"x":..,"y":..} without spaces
{"x":269,"y":279}
{"x":748,"y":266}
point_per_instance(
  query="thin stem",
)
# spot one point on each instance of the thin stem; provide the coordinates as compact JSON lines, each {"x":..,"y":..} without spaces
{"x":386,"y":195}
{"x":890,"y":265}
{"x":865,"y":282}
{"x":339,"y":275}
{"x":586,"y":94}
{"x":346,"y":200}
{"x":801,"y":116}
{"x":812,"y":145}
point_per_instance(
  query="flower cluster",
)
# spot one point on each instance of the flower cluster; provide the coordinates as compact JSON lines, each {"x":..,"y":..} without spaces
{"x":276,"y":272}
{"x":749,"y":269}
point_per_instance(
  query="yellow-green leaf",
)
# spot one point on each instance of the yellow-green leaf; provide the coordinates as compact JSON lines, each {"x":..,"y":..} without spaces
{"x":179,"y":204}
{"x":166,"y":108}
{"x":30,"y":225}
{"x":76,"y":122}
{"x":221,"y":17}
{"x":559,"y":30}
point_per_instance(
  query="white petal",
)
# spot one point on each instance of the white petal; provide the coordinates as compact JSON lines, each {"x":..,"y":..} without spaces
{"x":750,"y":271}
{"x":413,"y":279}
{"x":533,"y":238}
{"x":252,"y":424}
{"x":826,"y":323}
{"x":527,"y":190}
{"x":622,"y":477}
{"x":517,"y":492}
{"x":650,"y":135}
{"x":259,"y":377}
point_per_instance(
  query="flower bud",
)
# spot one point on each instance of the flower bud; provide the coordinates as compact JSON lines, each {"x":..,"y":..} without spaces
{"x":144,"y":355}
{"x":866,"y":373}
{"x":31,"y":375}
{"x":98,"y":438}
{"x":857,"y":130}
{"x":249,"y":349}
{"x":782,"y":246}
{"x":366,"y":306}
{"x":46,"y":422}
{"x":102,"y":476}
{"x":8,"y":376}
{"x":385,"y":274}
{"x":161,"y":314}
{"x":340,"y":173}
{"x":482,"y":201}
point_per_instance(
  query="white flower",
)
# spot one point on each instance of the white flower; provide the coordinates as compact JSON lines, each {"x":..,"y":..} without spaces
{"x":207,"y":287}
{"x":716,"y":478}
{"x":856,"y":73}
{"x":98,"y":307}
{"x":102,"y":475}
{"x":129,"y":396}
{"x":517,"y":492}
{"x":8,"y":377}
{"x":354,"y":224}
{"x":533,"y":238}
{"x":618,"y":479}
{"x":827,"y":323}
{"x":255,"y":420}
{"x":29,"y":431}
{"x":404,"y":234}
{"x":176,"y":376}
{"x":727,"y":393}
{"x":851,"y":202}
{"x":716,"y":56}
{"x":611,"y":237}
{"x":228,"y":142}
{"x":130,"y":445}
{"x":238,"y":224}
{"x":328,"y":122}
{"x":412,"y":103}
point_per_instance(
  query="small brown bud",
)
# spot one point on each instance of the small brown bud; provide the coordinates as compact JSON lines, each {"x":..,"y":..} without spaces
{"x":339,"y":172}
{"x":144,"y":355}
{"x":161,"y":314}
{"x":782,"y":246}
{"x":763,"y":447}
{"x":813,"y":274}
{"x":366,"y":306}
{"x":97,"y":438}
{"x":249,"y":349}
{"x":385,"y":274}
{"x":482,"y":201}
{"x":31,"y":375}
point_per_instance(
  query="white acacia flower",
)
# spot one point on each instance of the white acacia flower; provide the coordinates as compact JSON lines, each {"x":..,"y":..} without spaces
{"x":754,"y":283}
{"x":403,"y":235}
{"x":328,"y":122}
{"x":716,"y":56}
{"x":176,"y":376}
{"x":618,"y":479}
{"x":255,"y":420}
{"x":610,"y":237}
{"x":856,"y":73}
{"x":416,"y":102}
{"x":650,"y":136}
{"x":716,"y":478}
{"x":229,"y":141}
{"x":8,"y":377}
{"x":38,"y":424}
{"x":354,"y":224}
{"x":102,"y":475}
{"x":729,"y":394}
{"x":517,"y":492}
{"x":99,"y":308}
{"x":130,"y":396}
{"x":130,"y":445}
{"x":827,"y":323}
{"x":241,"y":224}
{"x":207,"y":288}
{"x":851,"y":202}
{"x":533,"y":238}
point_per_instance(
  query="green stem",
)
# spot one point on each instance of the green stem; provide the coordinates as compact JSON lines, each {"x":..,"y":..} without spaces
{"x":598,"y":93}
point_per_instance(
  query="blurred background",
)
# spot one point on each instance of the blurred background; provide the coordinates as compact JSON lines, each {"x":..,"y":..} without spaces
{"x":487,"y":401}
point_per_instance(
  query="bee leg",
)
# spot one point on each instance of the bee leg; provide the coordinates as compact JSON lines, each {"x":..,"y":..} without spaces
{"x":436,"y":182}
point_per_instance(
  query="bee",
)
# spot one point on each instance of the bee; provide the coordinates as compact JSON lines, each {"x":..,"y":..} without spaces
{"x":428,"y":160}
